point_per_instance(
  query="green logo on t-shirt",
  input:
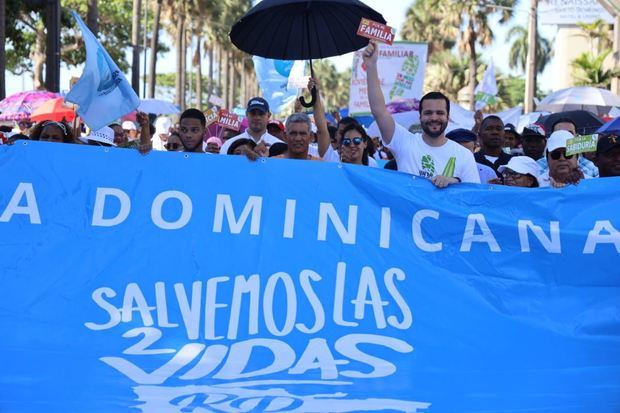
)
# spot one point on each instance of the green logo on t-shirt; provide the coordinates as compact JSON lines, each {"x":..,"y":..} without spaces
{"x":428,"y":166}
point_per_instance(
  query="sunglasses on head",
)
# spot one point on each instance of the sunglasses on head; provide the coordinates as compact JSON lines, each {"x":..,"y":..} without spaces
{"x":555,"y":155}
{"x":356,"y":141}
{"x":173,"y":146}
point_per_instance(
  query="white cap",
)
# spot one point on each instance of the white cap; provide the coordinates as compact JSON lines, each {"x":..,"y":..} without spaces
{"x":129,"y":125}
{"x":103,"y":135}
{"x":558,"y":140}
{"x":523,"y":165}
{"x":162,"y":125}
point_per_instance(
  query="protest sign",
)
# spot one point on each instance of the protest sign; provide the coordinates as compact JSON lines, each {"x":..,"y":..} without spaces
{"x":401,"y":72}
{"x":581,"y":144}
{"x":228,"y":120}
{"x":338,"y":289}
{"x":211,"y":115}
{"x":376,"y":31}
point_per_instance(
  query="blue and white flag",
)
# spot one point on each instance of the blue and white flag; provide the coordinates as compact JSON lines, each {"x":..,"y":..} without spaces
{"x":339,"y":288}
{"x":273,"y":79}
{"x":486,"y":91}
{"x":102,"y":93}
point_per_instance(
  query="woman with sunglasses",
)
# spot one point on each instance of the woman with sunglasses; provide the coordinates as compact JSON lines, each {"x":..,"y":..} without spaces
{"x":520,"y":171}
{"x":354,"y":145}
{"x":563,"y":169}
{"x":51,"y":131}
{"x":173,"y":143}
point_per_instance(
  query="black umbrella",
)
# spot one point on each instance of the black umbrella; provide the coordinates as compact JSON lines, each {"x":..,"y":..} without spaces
{"x":586,"y":122}
{"x":302,"y":30}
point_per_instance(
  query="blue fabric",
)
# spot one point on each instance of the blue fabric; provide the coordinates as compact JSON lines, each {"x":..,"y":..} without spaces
{"x":612,"y":126}
{"x":136,"y":315}
{"x":102,"y":92}
{"x":273,"y":77}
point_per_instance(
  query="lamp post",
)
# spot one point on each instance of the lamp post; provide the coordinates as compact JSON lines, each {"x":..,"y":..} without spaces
{"x":530,"y":71}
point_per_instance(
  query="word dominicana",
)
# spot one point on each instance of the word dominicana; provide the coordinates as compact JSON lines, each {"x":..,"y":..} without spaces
{"x":343,"y":219}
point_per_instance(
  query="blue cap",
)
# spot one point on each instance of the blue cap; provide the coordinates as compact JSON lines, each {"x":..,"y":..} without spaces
{"x":462,"y":135}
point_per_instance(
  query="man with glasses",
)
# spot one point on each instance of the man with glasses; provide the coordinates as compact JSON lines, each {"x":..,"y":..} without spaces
{"x":563,"y":169}
{"x":520,"y":171}
{"x":587,"y":167}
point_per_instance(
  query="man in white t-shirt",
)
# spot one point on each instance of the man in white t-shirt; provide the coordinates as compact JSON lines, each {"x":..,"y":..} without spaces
{"x":258,"y":116}
{"x":427,"y":154}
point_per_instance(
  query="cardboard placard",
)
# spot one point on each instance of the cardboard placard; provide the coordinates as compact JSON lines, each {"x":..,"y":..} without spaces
{"x":229,"y":120}
{"x":376,"y":31}
{"x":581,"y":144}
{"x":211,"y":115}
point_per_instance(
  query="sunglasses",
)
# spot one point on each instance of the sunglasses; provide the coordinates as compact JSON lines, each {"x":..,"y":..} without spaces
{"x":511,"y":174}
{"x":356,"y":141}
{"x":172,"y":146}
{"x":555,"y":155}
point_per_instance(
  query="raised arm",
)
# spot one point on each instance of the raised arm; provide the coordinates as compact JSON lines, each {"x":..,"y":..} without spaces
{"x":375,"y":95}
{"x":320,"y":121}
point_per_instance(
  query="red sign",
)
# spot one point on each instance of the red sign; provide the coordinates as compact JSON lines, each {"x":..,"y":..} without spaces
{"x":376,"y":31}
{"x":229,"y":120}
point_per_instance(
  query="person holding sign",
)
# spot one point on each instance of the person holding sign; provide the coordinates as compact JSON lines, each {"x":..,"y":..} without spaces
{"x":429,"y":154}
{"x":563,"y":169}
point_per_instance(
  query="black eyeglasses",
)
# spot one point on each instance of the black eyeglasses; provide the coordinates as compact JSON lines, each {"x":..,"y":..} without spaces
{"x":555,"y":155}
{"x":511,"y":174}
{"x":356,"y":141}
{"x":172,"y":146}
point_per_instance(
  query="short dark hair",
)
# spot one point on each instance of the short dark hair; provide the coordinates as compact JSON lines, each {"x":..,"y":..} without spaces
{"x":193,"y":113}
{"x":563,"y":120}
{"x":348,"y":120}
{"x":332,"y":131}
{"x":238,"y":143}
{"x":490,"y":117}
{"x":434,"y":96}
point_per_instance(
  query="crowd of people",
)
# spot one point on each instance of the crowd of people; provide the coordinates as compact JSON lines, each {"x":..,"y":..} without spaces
{"x":492,"y":152}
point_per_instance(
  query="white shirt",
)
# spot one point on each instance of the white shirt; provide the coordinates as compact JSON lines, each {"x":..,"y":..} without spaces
{"x":414,"y":156}
{"x":266,"y":138}
{"x":158,"y":144}
{"x":491,"y":159}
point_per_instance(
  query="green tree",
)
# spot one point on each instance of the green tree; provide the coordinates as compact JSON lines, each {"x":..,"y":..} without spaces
{"x":518,"y":50}
{"x":335,"y":84}
{"x":588,"y":70}
{"x":599,"y":34}
{"x":424,"y":24}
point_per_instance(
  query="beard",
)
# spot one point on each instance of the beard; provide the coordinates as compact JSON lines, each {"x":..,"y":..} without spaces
{"x":426,"y":127}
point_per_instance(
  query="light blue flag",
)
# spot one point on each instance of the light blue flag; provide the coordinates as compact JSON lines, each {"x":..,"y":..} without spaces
{"x":273,"y":76}
{"x":102,"y":93}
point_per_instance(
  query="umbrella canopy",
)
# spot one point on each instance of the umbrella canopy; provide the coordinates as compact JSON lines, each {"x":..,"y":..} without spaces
{"x":302,"y":29}
{"x":588,"y":98}
{"x":611,"y":126}
{"x":54,"y":109}
{"x":586,"y":122}
{"x":20,"y":105}
{"x":158,"y":107}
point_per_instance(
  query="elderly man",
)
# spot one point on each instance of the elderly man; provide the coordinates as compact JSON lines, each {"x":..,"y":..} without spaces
{"x":257,"y":112}
{"x":298,"y":137}
{"x":563,"y":169}
{"x":608,"y":155}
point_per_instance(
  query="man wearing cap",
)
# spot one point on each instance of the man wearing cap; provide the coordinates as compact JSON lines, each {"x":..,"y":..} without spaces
{"x":534,"y":140}
{"x":512,"y":139}
{"x":608,"y":155}
{"x":258,"y":115}
{"x":467,"y":139}
{"x":492,"y":138}
{"x":563,"y":169}
{"x":587,"y":167}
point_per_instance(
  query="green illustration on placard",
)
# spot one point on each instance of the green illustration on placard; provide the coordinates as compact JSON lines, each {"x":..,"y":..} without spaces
{"x":405,"y":78}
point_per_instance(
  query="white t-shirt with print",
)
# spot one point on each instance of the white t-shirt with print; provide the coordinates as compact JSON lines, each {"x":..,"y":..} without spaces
{"x":414,"y":156}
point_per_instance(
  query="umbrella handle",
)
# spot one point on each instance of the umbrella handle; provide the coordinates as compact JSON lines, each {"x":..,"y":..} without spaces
{"x":305,"y":104}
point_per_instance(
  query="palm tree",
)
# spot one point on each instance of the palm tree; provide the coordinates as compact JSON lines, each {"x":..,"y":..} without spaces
{"x":599,"y":35}
{"x":474,"y":17}
{"x":518,"y":49}
{"x":422,"y":23}
{"x":154,"y":45}
{"x":588,"y":70}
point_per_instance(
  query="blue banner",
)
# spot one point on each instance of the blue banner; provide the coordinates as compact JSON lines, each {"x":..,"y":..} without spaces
{"x":190,"y":283}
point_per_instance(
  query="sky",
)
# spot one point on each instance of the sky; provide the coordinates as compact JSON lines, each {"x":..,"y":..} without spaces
{"x":394,"y":11}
